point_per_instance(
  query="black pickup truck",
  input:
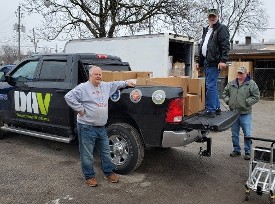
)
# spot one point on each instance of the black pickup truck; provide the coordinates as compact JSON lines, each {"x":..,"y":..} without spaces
{"x":32,"y":103}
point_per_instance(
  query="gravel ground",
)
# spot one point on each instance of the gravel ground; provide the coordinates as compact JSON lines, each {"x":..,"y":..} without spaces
{"x":39,"y":171}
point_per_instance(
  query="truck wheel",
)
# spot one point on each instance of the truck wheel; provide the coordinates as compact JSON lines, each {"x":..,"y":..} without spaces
{"x":127,"y":150}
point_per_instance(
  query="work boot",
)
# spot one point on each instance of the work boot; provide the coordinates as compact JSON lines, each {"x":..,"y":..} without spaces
{"x":207,"y":113}
{"x":247,"y":156}
{"x":112,"y":178}
{"x":91,"y":182}
{"x":218,"y":111}
{"x":235,"y":154}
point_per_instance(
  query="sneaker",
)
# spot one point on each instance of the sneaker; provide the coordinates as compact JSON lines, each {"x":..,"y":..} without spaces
{"x":235,"y":154}
{"x":91,"y":182}
{"x":247,"y":156}
{"x":207,"y":114}
{"x":218,"y":111}
{"x":112,"y":178}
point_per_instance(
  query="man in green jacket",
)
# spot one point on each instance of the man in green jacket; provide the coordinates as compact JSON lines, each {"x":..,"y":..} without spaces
{"x":240,"y":94}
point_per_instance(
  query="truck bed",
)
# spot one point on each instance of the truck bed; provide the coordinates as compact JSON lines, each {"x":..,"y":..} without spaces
{"x":217,"y":124}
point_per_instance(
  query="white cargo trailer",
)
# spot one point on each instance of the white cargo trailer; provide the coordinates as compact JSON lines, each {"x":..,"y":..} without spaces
{"x":157,"y":53}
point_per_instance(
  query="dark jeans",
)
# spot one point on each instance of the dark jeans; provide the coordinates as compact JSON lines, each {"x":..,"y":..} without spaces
{"x":89,"y":138}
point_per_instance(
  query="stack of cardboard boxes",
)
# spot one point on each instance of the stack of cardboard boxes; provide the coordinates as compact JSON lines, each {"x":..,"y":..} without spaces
{"x":193,"y":89}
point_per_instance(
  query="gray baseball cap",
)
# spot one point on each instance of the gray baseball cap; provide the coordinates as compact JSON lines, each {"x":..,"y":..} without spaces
{"x":213,"y":12}
{"x":242,"y":70}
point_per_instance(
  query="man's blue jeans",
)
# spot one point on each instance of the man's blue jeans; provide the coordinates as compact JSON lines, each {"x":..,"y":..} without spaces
{"x":89,"y":138}
{"x":212,"y":102}
{"x":244,"y":122}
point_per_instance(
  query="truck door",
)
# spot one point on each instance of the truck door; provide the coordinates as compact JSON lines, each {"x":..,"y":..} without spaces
{"x":38,"y":96}
{"x":53,"y":82}
{"x":17,"y":109}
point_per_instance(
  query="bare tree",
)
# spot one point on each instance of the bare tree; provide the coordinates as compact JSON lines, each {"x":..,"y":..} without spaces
{"x":95,"y":18}
{"x":183,"y":17}
{"x":108,"y":18}
{"x":241,"y":16}
{"x":9,"y":54}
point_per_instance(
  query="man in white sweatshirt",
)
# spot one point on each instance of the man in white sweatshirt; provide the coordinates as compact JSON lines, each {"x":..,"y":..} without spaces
{"x":90,"y":101}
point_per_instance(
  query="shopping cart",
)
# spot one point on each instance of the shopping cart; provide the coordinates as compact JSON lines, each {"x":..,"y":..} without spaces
{"x":261,"y":170}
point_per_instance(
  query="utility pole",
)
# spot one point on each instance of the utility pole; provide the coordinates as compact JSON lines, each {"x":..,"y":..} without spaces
{"x":19,"y":33}
{"x":34,"y":41}
{"x":18,"y":27}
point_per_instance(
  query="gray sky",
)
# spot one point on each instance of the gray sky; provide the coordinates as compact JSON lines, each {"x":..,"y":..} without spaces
{"x":8,"y":19}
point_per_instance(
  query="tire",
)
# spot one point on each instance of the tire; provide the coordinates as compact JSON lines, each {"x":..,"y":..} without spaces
{"x":1,"y":131}
{"x":126,"y":147}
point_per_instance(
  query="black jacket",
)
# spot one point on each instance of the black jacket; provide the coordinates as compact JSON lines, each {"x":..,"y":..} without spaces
{"x":218,"y":46}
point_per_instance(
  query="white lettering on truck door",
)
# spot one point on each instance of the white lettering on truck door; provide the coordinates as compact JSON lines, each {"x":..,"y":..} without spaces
{"x":30,"y":103}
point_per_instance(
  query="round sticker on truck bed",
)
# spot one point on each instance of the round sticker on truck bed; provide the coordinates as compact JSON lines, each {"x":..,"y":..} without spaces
{"x":116,"y":96}
{"x":158,"y":97}
{"x":135,"y":95}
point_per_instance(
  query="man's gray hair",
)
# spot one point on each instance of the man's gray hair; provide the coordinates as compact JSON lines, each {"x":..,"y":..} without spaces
{"x":92,"y":67}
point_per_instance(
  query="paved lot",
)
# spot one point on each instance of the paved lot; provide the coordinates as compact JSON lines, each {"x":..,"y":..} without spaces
{"x":39,"y":171}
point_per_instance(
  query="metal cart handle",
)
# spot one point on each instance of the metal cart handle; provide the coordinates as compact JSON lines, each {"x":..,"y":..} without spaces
{"x":261,"y":139}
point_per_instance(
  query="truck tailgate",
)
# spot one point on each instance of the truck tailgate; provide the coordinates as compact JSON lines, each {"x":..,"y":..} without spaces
{"x":218,"y":123}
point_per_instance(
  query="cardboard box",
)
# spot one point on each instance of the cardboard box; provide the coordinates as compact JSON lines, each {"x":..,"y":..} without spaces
{"x":141,"y":81}
{"x":118,"y":76}
{"x":202,"y":102}
{"x":179,"y":65}
{"x":196,"y":86}
{"x":232,"y":70}
{"x":146,"y":75}
{"x":172,"y":81}
{"x":178,"y":69}
{"x":224,"y":72}
{"x":151,"y":82}
{"x":177,"y":72}
{"x":191,"y":104}
{"x":195,"y":73}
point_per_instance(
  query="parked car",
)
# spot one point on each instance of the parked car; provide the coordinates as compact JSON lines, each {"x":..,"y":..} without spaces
{"x":4,"y":70}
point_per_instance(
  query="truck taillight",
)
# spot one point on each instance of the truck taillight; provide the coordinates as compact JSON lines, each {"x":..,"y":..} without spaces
{"x":100,"y":56}
{"x":174,"y":112}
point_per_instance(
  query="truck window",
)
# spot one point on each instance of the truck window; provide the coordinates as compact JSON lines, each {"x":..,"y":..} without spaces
{"x":25,"y":72}
{"x":53,"y":71}
{"x":83,"y":73}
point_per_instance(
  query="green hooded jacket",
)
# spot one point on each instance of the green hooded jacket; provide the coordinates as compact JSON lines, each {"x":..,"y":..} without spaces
{"x":241,"y":97}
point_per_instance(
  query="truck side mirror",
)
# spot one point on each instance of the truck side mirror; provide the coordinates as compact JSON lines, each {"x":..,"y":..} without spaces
{"x":9,"y":80}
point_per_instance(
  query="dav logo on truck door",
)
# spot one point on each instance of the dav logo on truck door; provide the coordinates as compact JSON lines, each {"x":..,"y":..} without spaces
{"x":32,"y":102}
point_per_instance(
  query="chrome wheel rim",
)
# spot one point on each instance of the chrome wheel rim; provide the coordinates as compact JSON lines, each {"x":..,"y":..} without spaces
{"x":119,"y":150}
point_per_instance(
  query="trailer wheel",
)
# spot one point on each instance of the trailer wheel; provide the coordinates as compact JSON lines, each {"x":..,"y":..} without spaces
{"x":247,"y":193}
{"x":126,"y":147}
{"x":271,"y":197}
